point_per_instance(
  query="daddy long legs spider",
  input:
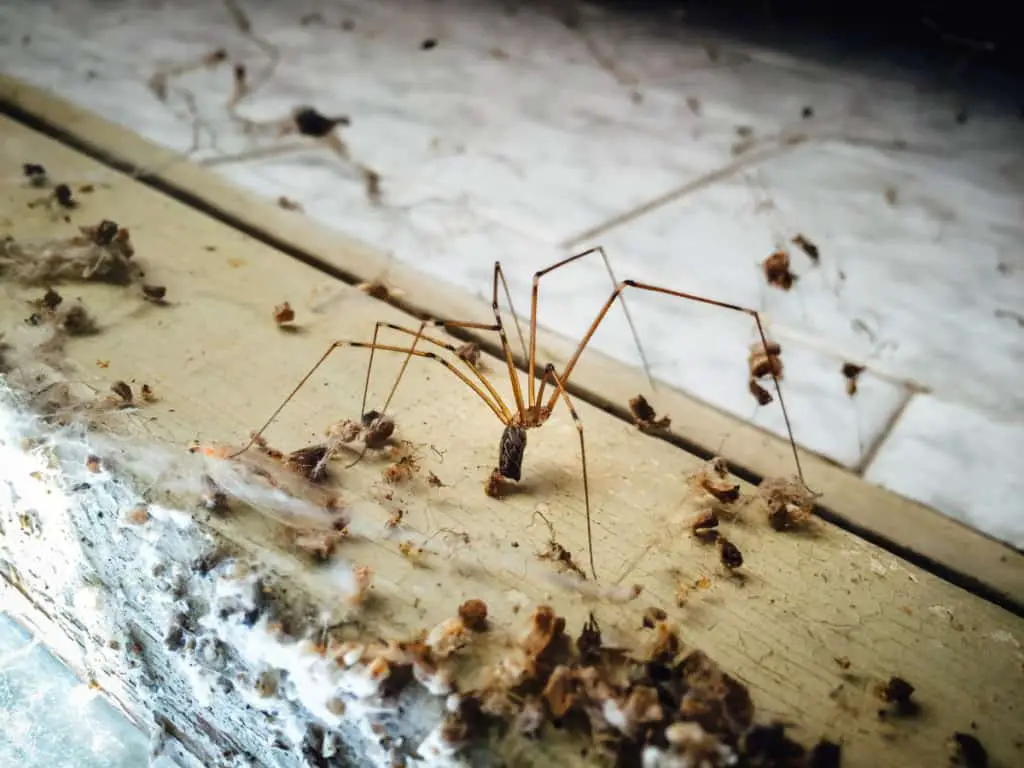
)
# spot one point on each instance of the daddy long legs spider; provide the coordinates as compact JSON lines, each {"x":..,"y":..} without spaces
{"x":530,"y":409}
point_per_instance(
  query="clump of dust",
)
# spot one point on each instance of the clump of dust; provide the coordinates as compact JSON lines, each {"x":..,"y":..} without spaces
{"x":790,"y":503}
{"x":100,"y":253}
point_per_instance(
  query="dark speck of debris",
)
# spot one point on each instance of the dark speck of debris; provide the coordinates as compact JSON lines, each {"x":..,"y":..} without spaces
{"x":852,"y":372}
{"x":51,"y":299}
{"x":897,"y":692}
{"x":967,"y":751}
{"x":428,"y":44}
{"x":123,"y":390}
{"x":769,"y":745}
{"x":348,"y":25}
{"x":807,"y":113}
{"x":824,"y":754}
{"x":154,"y":293}
{"x":106,"y":232}
{"x":807,"y":247}
{"x":962,"y":115}
{"x":729,"y":554}
{"x":62,"y":192}
{"x":35,"y":173}
{"x":310,"y":122}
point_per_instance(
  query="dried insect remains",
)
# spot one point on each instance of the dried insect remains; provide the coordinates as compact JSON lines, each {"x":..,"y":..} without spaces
{"x":545,"y":387}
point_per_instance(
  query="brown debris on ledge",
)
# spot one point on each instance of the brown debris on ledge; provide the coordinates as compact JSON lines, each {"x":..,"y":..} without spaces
{"x":664,"y":705}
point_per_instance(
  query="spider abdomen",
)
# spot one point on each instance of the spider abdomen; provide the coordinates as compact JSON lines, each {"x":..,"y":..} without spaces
{"x":510,"y":452}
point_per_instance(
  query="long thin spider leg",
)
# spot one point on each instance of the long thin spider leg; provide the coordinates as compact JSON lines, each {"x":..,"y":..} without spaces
{"x":383,"y":347}
{"x":499,"y":326}
{"x":513,"y":375}
{"x":369,"y":367}
{"x":549,"y":373}
{"x":617,"y":293}
{"x":534,"y":300}
{"x":515,"y":316}
{"x":405,"y":363}
{"x":420,"y":336}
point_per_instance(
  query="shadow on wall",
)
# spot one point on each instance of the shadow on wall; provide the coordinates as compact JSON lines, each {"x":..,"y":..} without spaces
{"x":964,"y":44}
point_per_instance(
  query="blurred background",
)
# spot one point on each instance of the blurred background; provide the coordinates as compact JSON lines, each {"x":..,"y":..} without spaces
{"x":879,"y":145}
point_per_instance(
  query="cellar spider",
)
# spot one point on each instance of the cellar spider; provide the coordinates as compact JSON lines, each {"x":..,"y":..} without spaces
{"x":529,"y":410}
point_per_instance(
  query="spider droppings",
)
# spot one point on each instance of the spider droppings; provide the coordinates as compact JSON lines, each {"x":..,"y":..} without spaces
{"x":762,"y":395}
{"x":429,"y":44}
{"x":49,"y":301}
{"x":310,"y":122}
{"x":371,"y":183}
{"x":807,"y":112}
{"x":965,"y":751}
{"x":284,"y":314}
{"x":704,"y":525}
{"x":729,"y":554}
{"x":76,"y":321}
{"x":777,"y":272}
{"x":103,"y":233}
{"x":825,"y":754}
{"x":851,"y":373}
{"x":64,"y":197}
{"x":714,"y":478}
{"x":155,"y":294}
{"x":898,"y":694}
{"x":36,"y":174}
{"x":288,"y":204}
{"x":652,"y":617}
{"x":805,"y":245}
{"x":644,"y":416}
{"x":123,"y":390}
